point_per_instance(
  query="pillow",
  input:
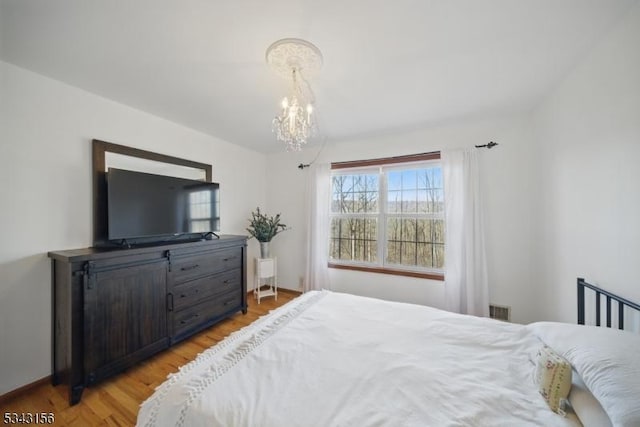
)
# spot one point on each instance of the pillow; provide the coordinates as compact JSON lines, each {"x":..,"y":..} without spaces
{"x":586,"y":406}
{"x":606,"y":360}
{"x":553,"y":377}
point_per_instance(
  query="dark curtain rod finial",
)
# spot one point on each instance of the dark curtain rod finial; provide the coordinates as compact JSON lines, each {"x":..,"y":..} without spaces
{"x":301,"y":166}
{"x":490,"y":145}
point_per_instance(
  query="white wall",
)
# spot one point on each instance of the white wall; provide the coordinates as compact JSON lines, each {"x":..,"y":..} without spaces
{"x":588,"y":131}
{"x":46,"y":130}
{"x":508,"y":177}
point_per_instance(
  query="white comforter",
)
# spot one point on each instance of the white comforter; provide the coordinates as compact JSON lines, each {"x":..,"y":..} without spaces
{"x":330,"y":359}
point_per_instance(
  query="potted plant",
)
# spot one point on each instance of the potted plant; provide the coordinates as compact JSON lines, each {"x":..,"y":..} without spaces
{"x":264,"y":228}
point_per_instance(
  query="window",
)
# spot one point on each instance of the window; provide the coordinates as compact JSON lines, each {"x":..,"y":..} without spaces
{"x":387,"y":215}
{"x":204,"y":211}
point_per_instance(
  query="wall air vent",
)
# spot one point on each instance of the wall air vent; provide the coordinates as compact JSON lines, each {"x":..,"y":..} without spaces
{"x":500,"y":312}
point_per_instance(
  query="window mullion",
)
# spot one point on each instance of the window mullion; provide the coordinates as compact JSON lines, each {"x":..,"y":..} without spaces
{"x":382,"y":217}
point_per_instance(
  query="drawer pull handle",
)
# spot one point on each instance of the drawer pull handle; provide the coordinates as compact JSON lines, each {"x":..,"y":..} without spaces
{"x":228,"y":302}
{"x":226,"y":282}
{"x":191,"y":267}
{"x":195,"y":291}
{"x":229,"y":258}
{"x":195,"y":316}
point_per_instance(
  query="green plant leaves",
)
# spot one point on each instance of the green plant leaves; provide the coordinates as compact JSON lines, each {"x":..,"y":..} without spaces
{"x":263,"y":227}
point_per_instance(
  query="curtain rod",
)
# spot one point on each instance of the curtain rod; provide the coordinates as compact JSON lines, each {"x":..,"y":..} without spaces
{"x":490,"y":145}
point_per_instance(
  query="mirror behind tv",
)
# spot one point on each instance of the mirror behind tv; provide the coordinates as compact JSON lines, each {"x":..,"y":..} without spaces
{"x":144,"y":208}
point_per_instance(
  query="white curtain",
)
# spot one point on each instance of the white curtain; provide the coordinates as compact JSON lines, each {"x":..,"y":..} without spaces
{"x":318,"y":197}
{"x":466,"y":283}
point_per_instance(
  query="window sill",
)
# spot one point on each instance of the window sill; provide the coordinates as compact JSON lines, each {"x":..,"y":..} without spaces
{"x":431,"y":276}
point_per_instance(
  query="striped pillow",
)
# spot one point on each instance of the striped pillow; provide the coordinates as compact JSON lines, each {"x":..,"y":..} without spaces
{"x":553,"y":377}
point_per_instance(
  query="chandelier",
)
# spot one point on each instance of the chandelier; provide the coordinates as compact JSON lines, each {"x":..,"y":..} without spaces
{"x":295,"y":59}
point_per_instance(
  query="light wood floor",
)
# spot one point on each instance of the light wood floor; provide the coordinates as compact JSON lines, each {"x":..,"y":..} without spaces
{"x":115,"y":402}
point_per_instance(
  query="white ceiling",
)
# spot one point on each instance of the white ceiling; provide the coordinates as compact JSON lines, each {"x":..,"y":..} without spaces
{"x":388,"y":65}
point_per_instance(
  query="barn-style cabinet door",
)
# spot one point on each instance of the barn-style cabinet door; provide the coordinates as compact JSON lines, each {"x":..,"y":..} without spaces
{"x":125,"y":315}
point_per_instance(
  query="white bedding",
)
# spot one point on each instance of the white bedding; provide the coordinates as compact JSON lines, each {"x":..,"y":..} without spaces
{"x":330,"y":359}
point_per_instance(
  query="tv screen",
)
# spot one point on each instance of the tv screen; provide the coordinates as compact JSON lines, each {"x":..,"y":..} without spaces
{"x":143,"y":205}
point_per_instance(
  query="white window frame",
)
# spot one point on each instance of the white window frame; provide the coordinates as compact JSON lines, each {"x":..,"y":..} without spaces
{"x":382,"y":216}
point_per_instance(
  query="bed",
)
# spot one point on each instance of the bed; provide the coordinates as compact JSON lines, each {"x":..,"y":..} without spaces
{"x":332,"y":359}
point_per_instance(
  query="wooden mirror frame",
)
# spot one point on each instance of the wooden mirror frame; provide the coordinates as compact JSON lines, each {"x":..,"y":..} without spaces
{"x":99,"y":150}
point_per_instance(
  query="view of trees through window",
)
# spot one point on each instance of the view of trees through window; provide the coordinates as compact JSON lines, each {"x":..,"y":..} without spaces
{"x":389,"y":216}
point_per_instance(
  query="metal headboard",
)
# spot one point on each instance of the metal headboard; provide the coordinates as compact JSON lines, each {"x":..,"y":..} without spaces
{"x":622,"y":303}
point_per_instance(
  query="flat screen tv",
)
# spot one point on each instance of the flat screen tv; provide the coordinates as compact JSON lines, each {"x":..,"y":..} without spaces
{"x":147,"y":207}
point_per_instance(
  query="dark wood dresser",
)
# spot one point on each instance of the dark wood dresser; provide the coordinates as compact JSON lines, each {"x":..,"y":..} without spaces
{"x":113,"y":308}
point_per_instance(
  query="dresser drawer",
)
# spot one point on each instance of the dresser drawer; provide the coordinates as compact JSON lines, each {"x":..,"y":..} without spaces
{"x":206,"y":313}
{"x":185,"y":269}
{"x":195,"y":291}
